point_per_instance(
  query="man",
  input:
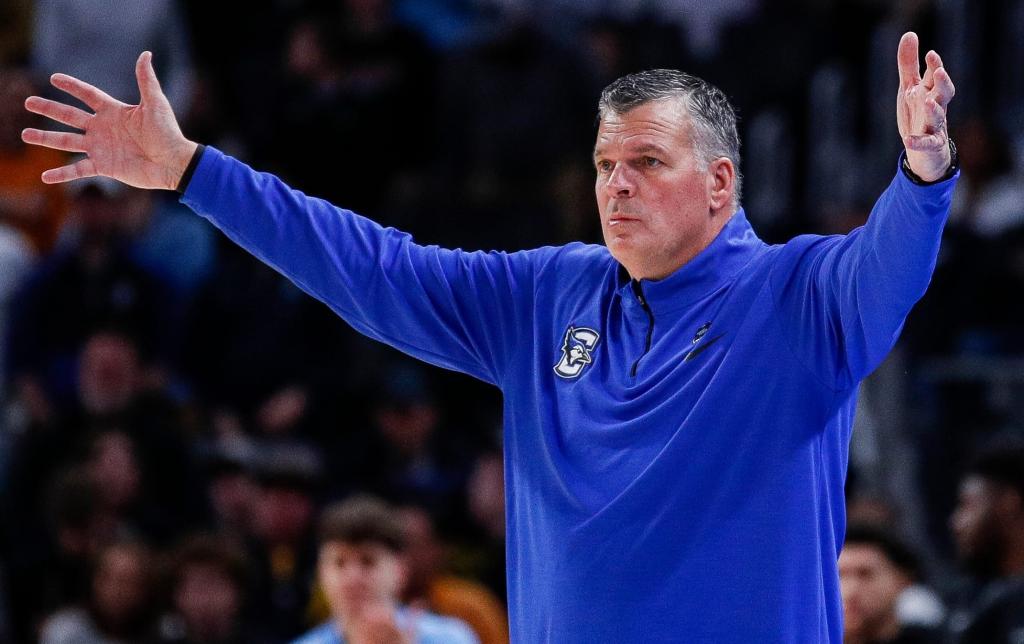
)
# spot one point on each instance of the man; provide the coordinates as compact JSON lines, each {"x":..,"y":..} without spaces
{"x":121,"y":606}
{"x":988,"y":527}
{"x":677,"y":404}
{"x":362,"y":570}
{"x":207,"y":590}
{"x":874,"y":570}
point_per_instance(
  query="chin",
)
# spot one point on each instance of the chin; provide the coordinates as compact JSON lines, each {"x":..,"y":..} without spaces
{"x":623,"y":248}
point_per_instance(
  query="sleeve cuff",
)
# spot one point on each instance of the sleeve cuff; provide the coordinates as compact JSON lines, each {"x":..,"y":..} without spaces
{"x":193,"y":163}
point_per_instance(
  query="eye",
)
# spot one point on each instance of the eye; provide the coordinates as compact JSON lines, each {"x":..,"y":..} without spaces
{"x":604,"y":165}
{"x":651,"y":162}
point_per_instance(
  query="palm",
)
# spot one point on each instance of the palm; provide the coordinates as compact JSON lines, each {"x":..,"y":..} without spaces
{"x":140,"y":145}
{"x":921,"y":109}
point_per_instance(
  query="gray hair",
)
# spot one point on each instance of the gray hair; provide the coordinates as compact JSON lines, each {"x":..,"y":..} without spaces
{"x":712,"y":117}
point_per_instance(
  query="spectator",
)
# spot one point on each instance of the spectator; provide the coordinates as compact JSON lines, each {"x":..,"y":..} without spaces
{"x":120,"y":607}
{"x":988,"y":527}
{"x":875,"y":569}
{"x":114,"y":420}
{"x":415,"y":459}
{"x":63,"y":542}
{"x":231,"y":487}
{"x":208,"y":580}
{"x":362,"y":570}
{"x":281,"y":549}
{"x":430,"y":586}
{"x":93,"y":276}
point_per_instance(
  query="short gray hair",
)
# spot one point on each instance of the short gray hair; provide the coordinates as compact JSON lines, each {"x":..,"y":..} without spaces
{"x":712,"y":116}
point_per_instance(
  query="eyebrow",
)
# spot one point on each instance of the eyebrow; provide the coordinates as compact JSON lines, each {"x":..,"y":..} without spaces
{"x":643,"y":149}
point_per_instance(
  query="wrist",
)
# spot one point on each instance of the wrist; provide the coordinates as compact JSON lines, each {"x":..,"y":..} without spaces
{"x":951,"y":168}
{"x":185,"y":162}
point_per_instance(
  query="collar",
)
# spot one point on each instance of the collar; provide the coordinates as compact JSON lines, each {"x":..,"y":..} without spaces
{"x":713,"y":267}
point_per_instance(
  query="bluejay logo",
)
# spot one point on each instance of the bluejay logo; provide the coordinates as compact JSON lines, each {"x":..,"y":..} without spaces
{"x":576,"y":351}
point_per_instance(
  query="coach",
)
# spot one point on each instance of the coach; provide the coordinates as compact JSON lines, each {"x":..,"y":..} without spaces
{"x":678,"y":403}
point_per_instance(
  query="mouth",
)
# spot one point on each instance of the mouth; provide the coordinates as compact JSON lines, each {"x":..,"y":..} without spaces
{"x":618,"y":220}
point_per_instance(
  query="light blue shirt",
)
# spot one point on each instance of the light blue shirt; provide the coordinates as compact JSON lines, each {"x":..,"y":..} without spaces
{"x":428,"y":627}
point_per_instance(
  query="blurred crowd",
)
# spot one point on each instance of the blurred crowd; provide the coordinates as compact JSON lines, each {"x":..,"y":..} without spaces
{"x":175,"y":416}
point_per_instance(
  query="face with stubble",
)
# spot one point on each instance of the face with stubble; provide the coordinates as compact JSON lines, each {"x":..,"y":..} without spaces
{"x":660,"y":204}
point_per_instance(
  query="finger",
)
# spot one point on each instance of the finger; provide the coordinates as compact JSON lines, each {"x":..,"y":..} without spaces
{"x":66,"y":114}
{"x":936,"y":115}
{"x":149,"y":86}
{"x":67,"y":141}
{"x":91,"y":96}
{"x":907,"y":61}
{"x":931,"y":63}
{"x":944,"y":90}
{"x":77,"y":170}
{"x":924,"y":142}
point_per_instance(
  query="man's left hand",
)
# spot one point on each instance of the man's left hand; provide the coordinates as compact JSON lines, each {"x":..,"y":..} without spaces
{"x":921,"y":110}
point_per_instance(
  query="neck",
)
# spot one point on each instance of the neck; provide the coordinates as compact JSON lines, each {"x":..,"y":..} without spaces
{"x":647,"y":271}
{"x":348,"y":617}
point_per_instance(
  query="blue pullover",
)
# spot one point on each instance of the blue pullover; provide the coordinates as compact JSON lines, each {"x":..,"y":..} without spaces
{"x":675,"y":450}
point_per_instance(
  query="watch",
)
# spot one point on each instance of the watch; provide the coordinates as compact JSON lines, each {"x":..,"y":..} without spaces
{"x":954,"y":167}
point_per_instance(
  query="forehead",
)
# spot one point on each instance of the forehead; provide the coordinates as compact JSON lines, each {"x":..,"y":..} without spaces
{"x":663,"y":123}
{"x":862,"y":555}
{"x":332,"y":549}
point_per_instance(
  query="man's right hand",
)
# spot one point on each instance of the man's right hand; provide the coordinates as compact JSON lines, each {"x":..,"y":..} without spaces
{"x":140,"y":145}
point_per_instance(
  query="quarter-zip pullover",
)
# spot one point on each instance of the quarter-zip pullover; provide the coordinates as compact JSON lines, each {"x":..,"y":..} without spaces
{"x":675,"y":450}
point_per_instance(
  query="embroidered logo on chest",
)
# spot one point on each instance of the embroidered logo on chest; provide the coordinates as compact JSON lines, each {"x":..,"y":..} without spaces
{"x":577,"y":351}
{"x":698,"y":347}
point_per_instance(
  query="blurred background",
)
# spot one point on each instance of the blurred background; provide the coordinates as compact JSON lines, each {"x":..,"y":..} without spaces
{"x":171,"y":408}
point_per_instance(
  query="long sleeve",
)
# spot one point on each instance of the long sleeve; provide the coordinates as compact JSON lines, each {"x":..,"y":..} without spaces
{"x":461,"y":310}
{"x":843,"y":299}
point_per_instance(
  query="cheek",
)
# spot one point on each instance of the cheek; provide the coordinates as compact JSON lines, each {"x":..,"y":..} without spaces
{"x":388,"y":580}
{"x":331,"y":579}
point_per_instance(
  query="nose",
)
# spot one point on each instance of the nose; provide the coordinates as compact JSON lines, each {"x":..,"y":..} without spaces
{"x":620,"y":183}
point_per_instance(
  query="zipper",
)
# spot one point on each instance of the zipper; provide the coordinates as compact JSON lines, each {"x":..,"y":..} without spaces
{"x":638,"y":290}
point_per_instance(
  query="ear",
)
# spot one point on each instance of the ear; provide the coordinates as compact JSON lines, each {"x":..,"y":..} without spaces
{"x":721,"y":183}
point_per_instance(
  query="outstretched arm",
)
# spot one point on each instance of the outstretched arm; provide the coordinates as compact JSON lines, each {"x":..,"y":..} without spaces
{"x":140,"y":145}
{"x":851,"y":294}
{"x":463,"y":311}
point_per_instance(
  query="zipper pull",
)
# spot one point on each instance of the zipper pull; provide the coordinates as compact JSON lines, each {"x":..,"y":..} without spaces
{"x":639,"y":291}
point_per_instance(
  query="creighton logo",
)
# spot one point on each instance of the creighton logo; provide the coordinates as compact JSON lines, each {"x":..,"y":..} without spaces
{"x":579,"y":342}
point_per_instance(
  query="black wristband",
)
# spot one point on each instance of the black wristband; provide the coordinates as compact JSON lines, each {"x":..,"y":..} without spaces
{"x":954,"y":166}
{"x":190,"y":169}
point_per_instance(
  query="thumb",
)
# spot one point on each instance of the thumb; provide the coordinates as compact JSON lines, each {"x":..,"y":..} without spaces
{"x":149,"y":86}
